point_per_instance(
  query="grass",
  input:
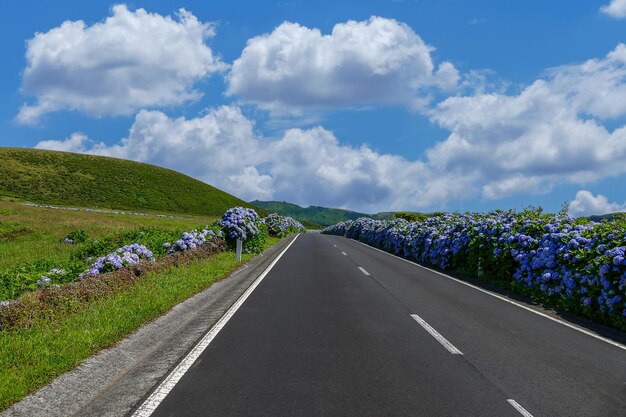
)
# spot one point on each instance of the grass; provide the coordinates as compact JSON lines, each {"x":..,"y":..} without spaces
{"x":71,"y":179}
{"x":32,"y":357}
{"x":29,"y":234}
{"x":31,"y":240}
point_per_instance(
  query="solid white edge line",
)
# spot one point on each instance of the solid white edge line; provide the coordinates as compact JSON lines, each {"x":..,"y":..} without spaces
{"x":363,"y":270}
{"x":519,"y":408}
{"x":434,"y":333}
{"x":554,"y":319}
{"x":164,"y":388}
{"x":343,"y":253}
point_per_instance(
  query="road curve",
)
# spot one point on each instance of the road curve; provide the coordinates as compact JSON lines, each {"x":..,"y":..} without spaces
{"x":337,"y":328}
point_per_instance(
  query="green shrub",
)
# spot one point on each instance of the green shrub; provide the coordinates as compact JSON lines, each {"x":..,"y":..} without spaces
{"x":76,"y":236}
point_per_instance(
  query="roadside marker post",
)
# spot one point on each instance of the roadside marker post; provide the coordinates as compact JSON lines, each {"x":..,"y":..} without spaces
{"x":479,"y":271}
{"x":239,"y":249}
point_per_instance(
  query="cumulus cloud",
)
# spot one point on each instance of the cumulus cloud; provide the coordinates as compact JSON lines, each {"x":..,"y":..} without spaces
{"x":587,"y":204}
{"x":303,"y":166}
{"x":616,"y":9}
{"x":132,"y":60}
{"x":378,"y":61}
{"x":77,"y":142}
{"x":549,"y":133}
{"x":313,"y":166}
{"x":596,"y":87}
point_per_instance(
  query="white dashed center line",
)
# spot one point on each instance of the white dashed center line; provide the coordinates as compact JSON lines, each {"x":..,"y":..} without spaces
{"x":434,"y":333}
{"x":519,"y":408}
{"x":364,"y":271}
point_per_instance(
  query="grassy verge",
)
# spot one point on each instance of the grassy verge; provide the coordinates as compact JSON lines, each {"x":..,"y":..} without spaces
{"x":32,"y":357}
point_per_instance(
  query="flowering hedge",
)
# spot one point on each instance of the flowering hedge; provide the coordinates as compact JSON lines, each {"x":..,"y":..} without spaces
{"x":240,"y":223}
{"x":281,"y":226}
{"x":578,"y":265}
{"x":123,"y":257}
{"x":191,"y":240}
{"x":245,"y":224}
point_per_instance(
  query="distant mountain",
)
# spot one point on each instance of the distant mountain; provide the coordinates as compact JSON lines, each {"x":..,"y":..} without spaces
{"x":384,"y":215}
{"x":608,"y":217}
{"x":72,"y":179}
{"x":322,"y":216}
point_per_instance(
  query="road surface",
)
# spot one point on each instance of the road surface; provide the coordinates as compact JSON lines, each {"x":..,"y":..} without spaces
{"x":337,"y":328}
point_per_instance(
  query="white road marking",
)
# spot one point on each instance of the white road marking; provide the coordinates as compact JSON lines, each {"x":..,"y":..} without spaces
{"x":519,"y":408}
{"x":434,"y":333}
{"x":363,"y":270}
{"x":334,"y":245}
{"x":343,"y":253}
{"x":554,"y":319}
{"x":164,"y":388}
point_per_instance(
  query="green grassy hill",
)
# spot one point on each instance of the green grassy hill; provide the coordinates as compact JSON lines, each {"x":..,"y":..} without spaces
{"x":317,"y":215}
{"x":71,"y":179}
{"x":606,"y":217}
{"x":325,"y":216}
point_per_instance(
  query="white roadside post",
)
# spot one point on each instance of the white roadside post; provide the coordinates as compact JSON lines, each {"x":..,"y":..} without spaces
{"x":480,"y":263}
{"x":239,"y":249}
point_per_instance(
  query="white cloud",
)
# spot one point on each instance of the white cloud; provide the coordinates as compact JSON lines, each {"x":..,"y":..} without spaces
{"x":303,"y":166}
{"x":616,"y":9}
{"x":477,"y":21}
{"x":312,"y":166}
{"x":596,"y":87}
{"x":496,"y":189}
{"x":130,"y":61}
{"x":551,"y":132}
{"x":75,"y":143}
{"x":587,"y":204}
{"x":379,"y":61}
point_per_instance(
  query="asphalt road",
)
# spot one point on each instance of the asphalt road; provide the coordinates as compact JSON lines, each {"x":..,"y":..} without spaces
{"x":339,"y":329}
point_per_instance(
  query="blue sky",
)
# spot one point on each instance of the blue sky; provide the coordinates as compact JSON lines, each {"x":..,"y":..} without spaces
{"x":366,"y":105}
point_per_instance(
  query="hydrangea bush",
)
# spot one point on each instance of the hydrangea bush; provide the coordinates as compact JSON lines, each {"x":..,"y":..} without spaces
{"x":123,"y":257}
{"x":245,"y":224}
{"x":578,"y":265}
{"x":48,"y":280}
{"x":76,"y":236}
{"x":192,"y":239}
{"x":282,"y":226}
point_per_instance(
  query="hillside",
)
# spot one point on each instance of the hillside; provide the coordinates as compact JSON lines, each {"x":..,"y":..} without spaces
{"x":318,"y":215}
{"x":71,"y":179}
{"x":606,"y":217}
